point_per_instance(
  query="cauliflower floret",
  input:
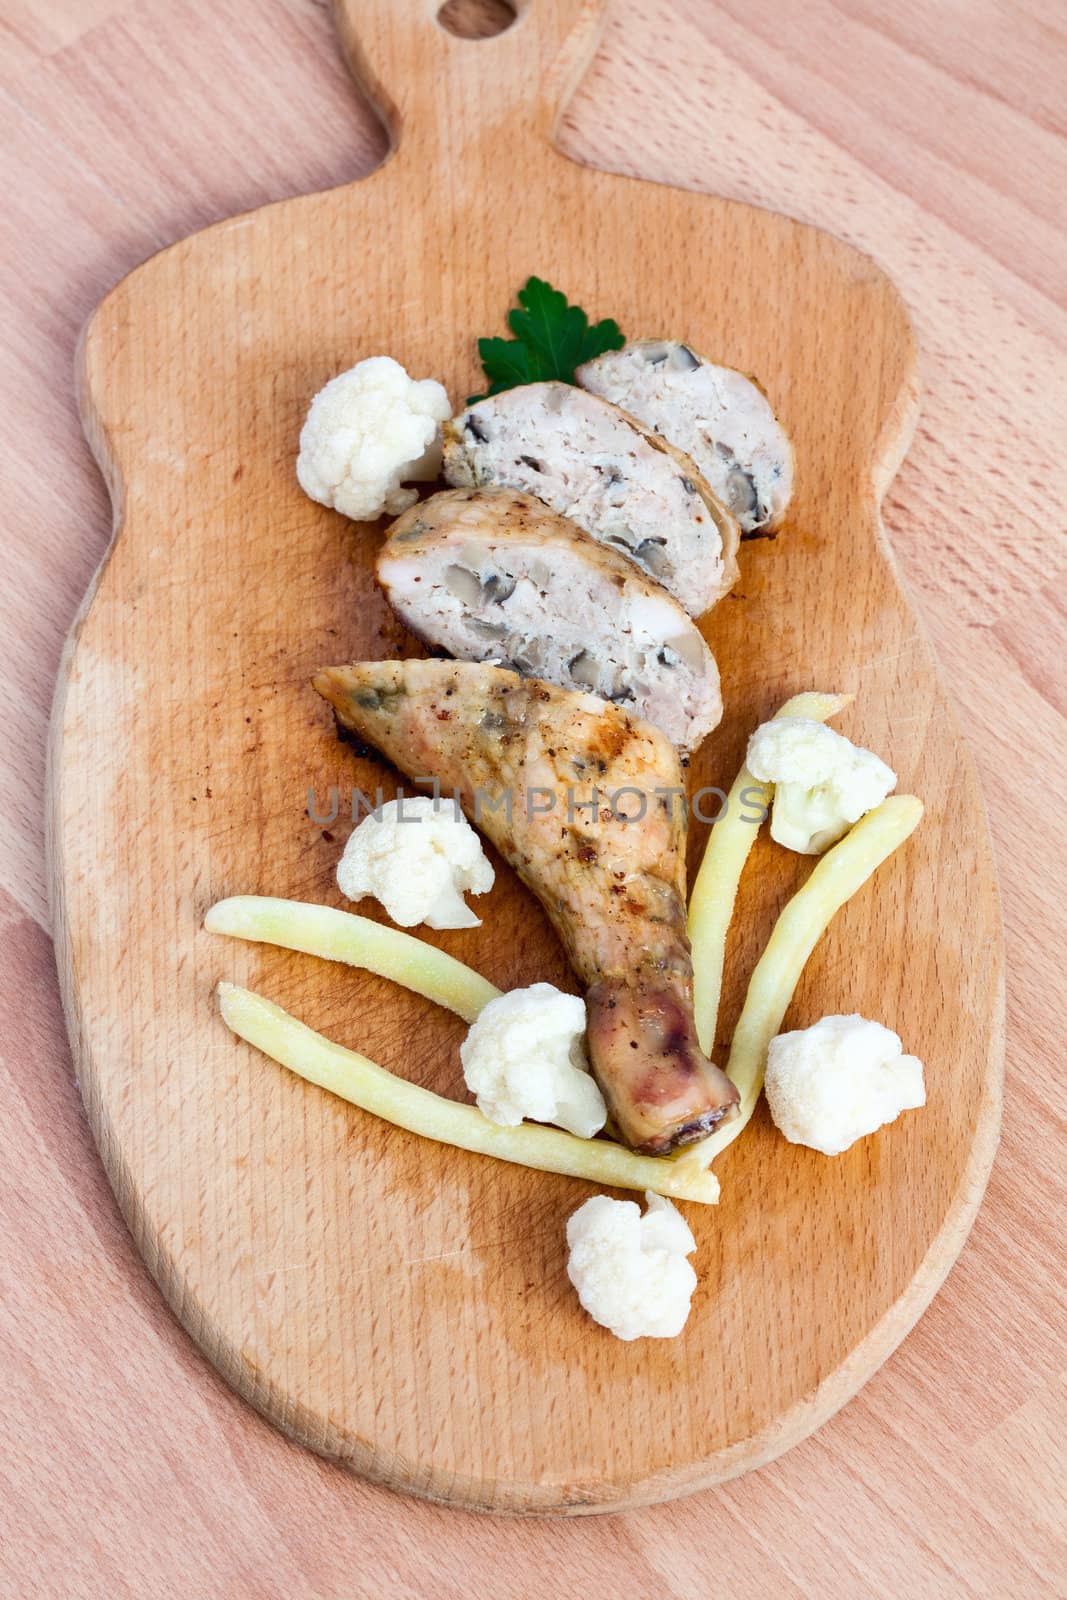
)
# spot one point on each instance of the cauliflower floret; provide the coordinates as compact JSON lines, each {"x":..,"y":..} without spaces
{"x":630,"y":1270}
{"x":823,"y":783}
{"x":417,"y":856}
{"x":525,"y":1057}
{"x":367,"y":432}
{"x":837,"y":1081}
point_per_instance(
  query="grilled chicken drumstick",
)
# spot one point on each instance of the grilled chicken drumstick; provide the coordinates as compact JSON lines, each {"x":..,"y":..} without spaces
{"x":614,"y":889}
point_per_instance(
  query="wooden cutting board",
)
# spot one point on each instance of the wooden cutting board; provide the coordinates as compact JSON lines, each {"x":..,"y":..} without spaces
{"x":391,"y":1303}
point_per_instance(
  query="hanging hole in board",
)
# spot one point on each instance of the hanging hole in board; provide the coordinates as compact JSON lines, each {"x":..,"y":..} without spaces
{"x":476,"y":19}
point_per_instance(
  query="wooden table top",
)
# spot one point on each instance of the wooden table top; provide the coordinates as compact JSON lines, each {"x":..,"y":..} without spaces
{"x":932,"y":137}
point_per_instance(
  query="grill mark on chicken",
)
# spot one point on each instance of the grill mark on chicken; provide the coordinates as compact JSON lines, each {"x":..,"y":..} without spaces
{"x":509,"y":734}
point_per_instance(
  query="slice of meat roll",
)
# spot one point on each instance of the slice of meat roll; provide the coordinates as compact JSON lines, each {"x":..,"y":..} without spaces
{"x":627,"y":487}
{"x":718,"y":416}
{"x":494,"y":575}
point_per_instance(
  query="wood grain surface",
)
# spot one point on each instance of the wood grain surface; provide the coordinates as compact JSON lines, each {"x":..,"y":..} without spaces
{"x":394,"y":1305}
{"x":911,"y":1489}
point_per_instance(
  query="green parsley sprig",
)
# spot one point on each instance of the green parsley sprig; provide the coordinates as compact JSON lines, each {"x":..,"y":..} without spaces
{"x":552,"y":338}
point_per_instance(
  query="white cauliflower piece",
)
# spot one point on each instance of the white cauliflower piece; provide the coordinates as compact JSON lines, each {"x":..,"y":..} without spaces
{"x":417,"y":856}
{"x":368,"y":431}
{"x":839,"y":1080}
{"x":823,"y":783}
{"x":525,"y":1057}
{"x":630,"y":1270}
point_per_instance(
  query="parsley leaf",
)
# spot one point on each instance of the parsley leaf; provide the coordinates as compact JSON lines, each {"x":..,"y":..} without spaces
{"x":552,"y":339}
{"x":506,"y":362}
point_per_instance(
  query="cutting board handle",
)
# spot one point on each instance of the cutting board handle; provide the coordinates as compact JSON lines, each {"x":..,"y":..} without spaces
{"x":428,"y":85}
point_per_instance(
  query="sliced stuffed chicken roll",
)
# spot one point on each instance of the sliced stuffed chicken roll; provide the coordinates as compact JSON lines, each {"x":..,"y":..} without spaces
{"x":626,"y":486}
{"x":494,"y":575}
{"x":721,"y":417}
